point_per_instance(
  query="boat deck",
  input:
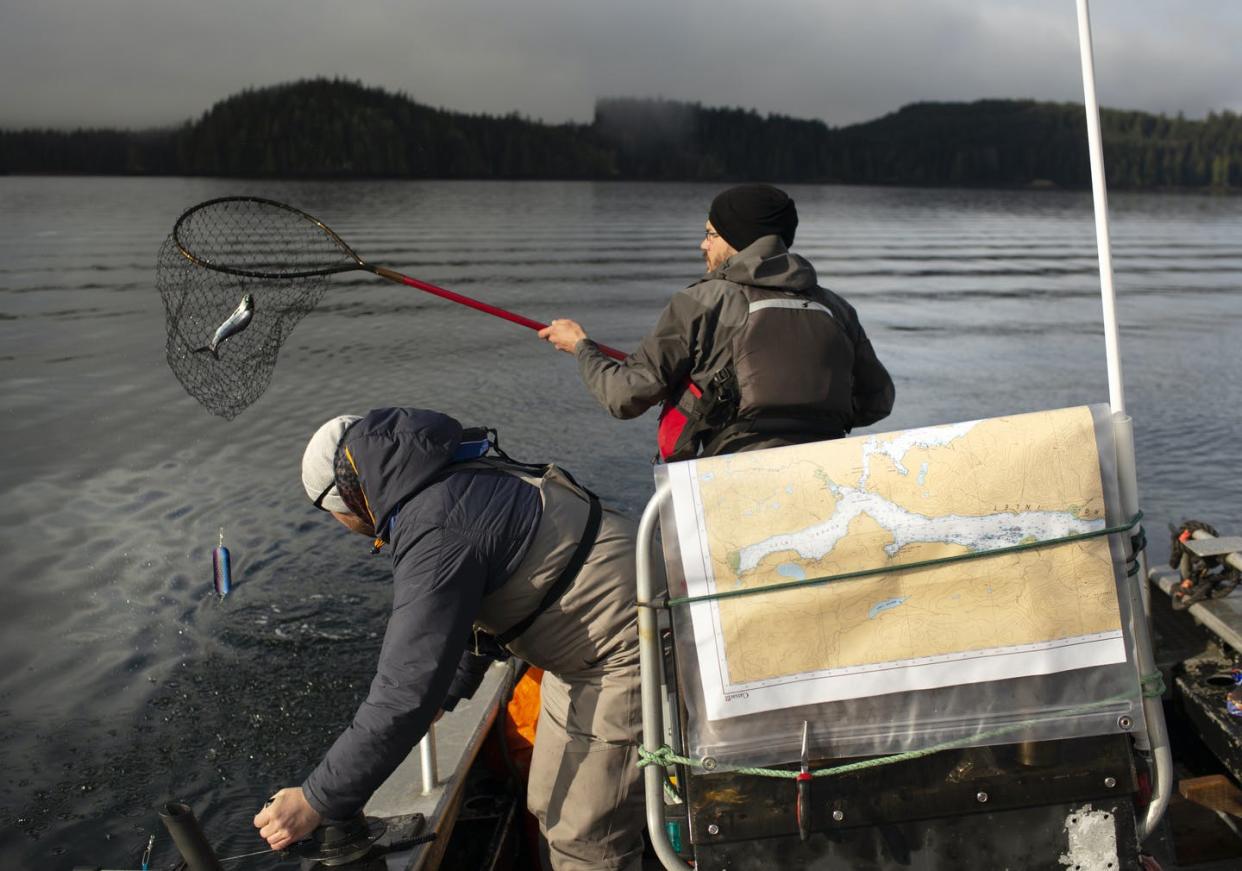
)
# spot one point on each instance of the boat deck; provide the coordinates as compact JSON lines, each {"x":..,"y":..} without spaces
{"x":454,"y":744}
{"x":1222,"y":617}
{"x":457,"y":738}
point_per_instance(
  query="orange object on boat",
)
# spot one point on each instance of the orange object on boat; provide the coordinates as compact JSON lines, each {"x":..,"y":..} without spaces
{"x":522,"y":719}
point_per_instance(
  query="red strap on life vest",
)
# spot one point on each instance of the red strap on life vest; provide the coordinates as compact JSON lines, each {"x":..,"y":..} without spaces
{"x":673,"y":421}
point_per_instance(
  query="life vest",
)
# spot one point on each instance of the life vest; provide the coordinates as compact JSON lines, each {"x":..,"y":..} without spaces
{"x":480,"y":448}
{"x":789,"y":374}
{"x":686,"y":423}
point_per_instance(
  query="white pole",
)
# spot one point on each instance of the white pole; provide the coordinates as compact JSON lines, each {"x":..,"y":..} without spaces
{"x":1116,"y":390}
{"x":1155,"y":744}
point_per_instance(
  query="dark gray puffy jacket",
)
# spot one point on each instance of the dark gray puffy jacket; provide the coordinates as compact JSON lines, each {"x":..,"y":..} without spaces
{"x":797,"y":349}
{"x":453,"y":539}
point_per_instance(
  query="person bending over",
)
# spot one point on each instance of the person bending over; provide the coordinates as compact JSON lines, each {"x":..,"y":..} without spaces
{"x":489,"y":557}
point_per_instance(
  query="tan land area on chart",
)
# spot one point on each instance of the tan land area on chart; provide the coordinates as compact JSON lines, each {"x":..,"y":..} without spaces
{"x":810,"y":511}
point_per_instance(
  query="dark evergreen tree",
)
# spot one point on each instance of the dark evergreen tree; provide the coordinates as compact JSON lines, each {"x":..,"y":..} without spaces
{"x":339,"y":129}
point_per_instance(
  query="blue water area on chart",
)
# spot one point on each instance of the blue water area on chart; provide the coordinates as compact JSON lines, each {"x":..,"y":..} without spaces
{"x":886,"y":605}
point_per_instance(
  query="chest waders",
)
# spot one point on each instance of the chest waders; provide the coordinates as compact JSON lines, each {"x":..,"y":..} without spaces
{"x":567,"y":587}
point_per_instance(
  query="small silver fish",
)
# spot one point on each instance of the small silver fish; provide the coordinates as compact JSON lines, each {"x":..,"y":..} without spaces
{"x":233,"y":324}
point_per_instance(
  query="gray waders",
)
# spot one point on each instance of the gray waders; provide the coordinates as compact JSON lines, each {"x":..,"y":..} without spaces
{"x":584,"y":781}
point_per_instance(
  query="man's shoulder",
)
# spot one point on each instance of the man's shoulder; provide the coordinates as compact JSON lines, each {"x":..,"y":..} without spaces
{"x":710,"y":291}
{"x":472,"y":502}
{"x":835,"y":301}
{"x":481,"y":485}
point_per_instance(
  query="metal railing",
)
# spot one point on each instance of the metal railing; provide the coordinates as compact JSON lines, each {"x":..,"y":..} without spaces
{"x":650,"y":664}
{"x":427,"y":760}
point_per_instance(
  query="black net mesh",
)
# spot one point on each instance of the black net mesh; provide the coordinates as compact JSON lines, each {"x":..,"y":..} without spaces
{"x":220,"y":251}
{"x":271,"y":240}
{"x":198,"y":300}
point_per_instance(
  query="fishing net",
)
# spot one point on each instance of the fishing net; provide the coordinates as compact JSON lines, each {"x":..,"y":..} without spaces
{"x":198,"y":299}
{"x":218,"y":252}
{"x":221,"y":251}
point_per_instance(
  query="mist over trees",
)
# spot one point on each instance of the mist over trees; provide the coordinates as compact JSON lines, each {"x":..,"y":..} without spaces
{"x":338,"y":129}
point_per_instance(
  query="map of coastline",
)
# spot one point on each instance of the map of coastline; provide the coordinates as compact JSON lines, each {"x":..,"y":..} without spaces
{"x":811,"y":511}
{"x":975,"y":533}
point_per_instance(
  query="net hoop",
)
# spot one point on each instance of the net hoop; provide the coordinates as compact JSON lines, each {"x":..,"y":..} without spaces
{"x":206,"y":263}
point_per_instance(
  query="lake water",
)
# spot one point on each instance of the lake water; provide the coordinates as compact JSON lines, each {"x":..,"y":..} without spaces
{"x":125,"y":683}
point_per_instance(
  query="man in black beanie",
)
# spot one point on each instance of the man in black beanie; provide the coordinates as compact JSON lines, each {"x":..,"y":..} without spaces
{"x":744,"y":213}
{"x":755,"y":354}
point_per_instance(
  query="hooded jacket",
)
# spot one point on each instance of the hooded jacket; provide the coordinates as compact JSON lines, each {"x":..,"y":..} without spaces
{"x":820,"y":367}
{"x":454,"y":537}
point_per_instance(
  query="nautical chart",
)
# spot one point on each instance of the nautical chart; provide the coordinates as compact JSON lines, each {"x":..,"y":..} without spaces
{"x":789,"y":514}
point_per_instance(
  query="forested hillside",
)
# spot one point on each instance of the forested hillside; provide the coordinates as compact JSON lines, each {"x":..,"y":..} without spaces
{"x":334,"y":128}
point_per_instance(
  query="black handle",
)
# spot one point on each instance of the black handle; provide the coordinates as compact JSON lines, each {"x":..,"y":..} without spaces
{"x":188,"y":836}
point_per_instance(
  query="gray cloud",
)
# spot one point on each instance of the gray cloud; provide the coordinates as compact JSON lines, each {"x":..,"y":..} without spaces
{"x":150,"y":62}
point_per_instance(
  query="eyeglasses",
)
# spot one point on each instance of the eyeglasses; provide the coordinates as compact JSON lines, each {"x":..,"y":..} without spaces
{"x":318,"y":503}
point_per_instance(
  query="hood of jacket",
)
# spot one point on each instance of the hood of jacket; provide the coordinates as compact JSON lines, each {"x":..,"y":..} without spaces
{"x":396,"y":452}
{"x":767,"y":263}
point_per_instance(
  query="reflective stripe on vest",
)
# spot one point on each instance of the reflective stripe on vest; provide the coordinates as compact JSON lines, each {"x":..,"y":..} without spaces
{"x":790,"y":303}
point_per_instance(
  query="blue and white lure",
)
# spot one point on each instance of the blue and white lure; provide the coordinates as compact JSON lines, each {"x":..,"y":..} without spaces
{"x":222,"y":568}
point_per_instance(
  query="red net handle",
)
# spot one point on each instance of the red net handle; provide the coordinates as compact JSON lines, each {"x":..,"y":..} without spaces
{"x":476,"y":304}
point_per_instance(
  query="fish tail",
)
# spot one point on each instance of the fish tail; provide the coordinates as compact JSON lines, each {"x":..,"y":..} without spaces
{"x":207,"y":348}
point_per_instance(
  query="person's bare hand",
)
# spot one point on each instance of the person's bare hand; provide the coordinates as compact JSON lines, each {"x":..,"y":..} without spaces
{"x":564,"y":334}
{"x":286,"y":818}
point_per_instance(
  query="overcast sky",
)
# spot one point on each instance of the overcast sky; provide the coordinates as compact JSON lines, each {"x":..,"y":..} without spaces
{"x":137,"y":63}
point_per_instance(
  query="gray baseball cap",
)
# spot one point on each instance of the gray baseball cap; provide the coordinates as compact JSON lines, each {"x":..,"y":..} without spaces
{"x":318,"y":472}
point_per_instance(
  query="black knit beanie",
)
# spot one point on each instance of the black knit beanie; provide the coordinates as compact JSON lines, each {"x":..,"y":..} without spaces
{"x":744,"y":213}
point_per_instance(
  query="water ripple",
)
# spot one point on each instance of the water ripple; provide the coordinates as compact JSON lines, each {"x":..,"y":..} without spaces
{"x":126,"y":681}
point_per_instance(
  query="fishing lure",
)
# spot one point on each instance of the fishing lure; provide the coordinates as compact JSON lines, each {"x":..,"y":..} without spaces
{"x":1233,"y":700}
{"x":222,"y":568}
{"x":233,"y":324}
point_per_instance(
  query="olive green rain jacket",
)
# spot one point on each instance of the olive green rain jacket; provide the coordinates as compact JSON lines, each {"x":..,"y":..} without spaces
{"x":805,"y":369}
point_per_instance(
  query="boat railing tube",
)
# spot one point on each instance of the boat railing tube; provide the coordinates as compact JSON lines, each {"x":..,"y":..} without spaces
{"x":428,"y":760}
{"x":649,"y":668}
{"x":188,"y":836}
{"x":1156,"y":745}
